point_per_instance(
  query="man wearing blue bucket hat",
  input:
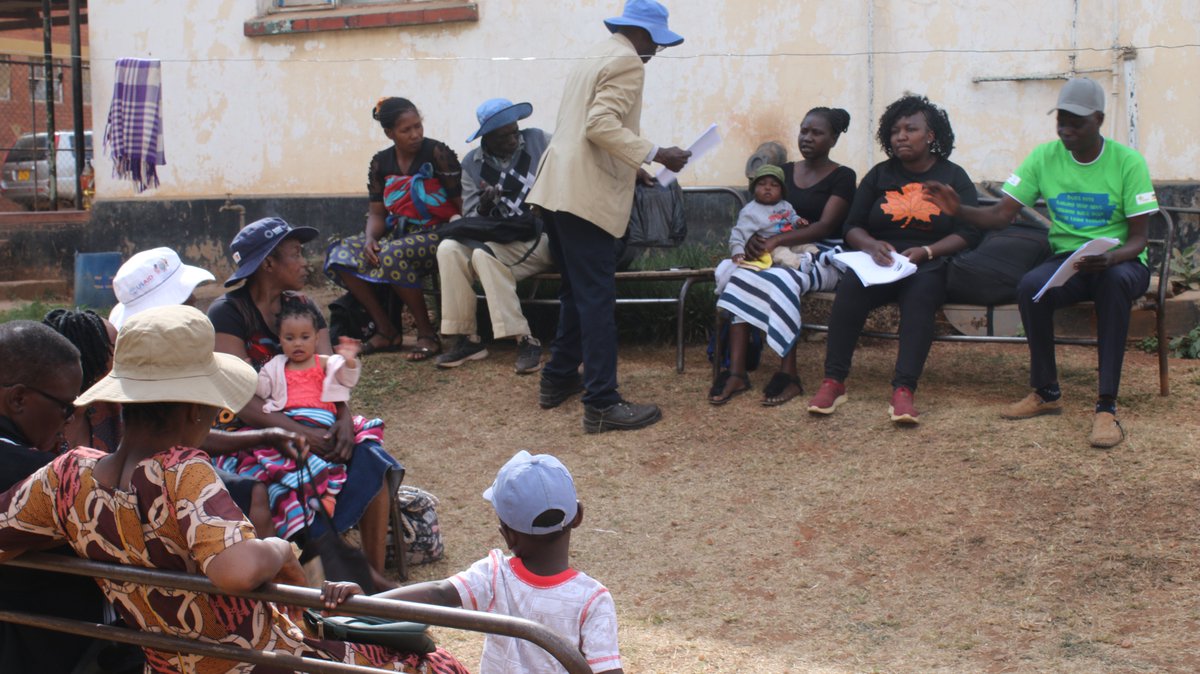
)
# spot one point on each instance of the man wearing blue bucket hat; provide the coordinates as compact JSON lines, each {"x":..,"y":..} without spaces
{"x":497,"y":177}
{"x":585,"y":188}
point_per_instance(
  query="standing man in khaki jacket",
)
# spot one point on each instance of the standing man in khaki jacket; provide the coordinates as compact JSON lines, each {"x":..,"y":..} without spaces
{"x":585,"y":188}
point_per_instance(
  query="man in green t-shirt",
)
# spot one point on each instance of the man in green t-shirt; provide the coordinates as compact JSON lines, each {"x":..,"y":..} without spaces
{"x":1094,"y":187}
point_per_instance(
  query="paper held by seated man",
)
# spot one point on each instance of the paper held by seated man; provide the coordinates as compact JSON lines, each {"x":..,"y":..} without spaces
{"x":1067,"y":269}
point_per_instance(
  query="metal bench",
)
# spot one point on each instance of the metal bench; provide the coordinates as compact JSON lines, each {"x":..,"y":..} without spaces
{"x":1162,"y":232}
{"x":684,"y":277}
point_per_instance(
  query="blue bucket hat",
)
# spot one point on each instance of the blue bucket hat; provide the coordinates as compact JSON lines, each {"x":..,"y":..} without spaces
{"x":255,"y":242}
{"x":495,"y":113}
{"x":647,"y":14}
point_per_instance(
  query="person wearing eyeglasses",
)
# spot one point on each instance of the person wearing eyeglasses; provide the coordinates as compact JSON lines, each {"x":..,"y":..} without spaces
{"x":37,"y":393}
{"x":41,"y":378}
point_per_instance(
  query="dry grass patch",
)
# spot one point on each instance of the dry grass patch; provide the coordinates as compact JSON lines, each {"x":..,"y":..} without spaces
{"x":742,"y":538}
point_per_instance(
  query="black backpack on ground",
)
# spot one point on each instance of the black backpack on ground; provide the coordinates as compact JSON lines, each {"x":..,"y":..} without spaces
{"x":988,"y":274}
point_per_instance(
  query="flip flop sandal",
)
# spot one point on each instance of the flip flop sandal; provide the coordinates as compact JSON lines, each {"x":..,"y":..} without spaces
{"x":718,"y":384}
{"x":422,"y":353}
{"x":723,"y":379}
{"x":779,"y":383}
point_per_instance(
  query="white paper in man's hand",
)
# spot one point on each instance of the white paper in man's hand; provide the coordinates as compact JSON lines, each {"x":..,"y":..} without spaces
{"x":706,"y":143}
{"x":872,"y":274}
{"x":1067,"y":269}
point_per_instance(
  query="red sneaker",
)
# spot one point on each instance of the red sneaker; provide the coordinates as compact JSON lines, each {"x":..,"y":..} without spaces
{"x":902,"y":410}
{"x":829,"y":396}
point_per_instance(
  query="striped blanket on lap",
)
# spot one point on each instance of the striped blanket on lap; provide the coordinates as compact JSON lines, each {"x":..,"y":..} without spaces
{"x":283,"y":477}
{"x":770,"y":299}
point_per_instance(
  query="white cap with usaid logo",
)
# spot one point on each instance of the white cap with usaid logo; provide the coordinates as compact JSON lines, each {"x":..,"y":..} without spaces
{"x":529,"y":485}
{"x":153,"y":278}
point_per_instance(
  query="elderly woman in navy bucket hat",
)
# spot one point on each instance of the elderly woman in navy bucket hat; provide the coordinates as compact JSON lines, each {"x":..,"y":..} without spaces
{"x":349,"y":454}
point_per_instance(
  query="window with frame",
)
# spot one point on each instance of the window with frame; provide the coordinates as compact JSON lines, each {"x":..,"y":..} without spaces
{"x":282,"y":17}
{"x":37,"y":80}
{"x":5,"y":79}
{"x":283,"y":5}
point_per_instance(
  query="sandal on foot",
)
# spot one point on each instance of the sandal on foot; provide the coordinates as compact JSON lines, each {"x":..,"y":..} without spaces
{"x":773,"y":392}
{"x":420,"y":353}
{"x":717,"y":395}
{"x":392,"y":345}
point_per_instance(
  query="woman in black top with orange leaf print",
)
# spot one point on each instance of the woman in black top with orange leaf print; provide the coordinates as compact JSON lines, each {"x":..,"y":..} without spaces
{"x":891,"y":214}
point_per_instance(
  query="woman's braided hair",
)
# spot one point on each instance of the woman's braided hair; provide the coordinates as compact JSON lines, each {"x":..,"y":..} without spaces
{"x":87,"y":331}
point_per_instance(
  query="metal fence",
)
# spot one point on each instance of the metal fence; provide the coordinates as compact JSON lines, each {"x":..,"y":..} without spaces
{"x":559,"y":647}
{"x":36,"y":104}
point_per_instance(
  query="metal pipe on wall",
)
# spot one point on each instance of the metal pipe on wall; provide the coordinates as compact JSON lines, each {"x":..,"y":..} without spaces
{"x":1128,"y":56}
{"x":48,"y":81}
{"x":77,"y":99}
{"x":870,"y":77}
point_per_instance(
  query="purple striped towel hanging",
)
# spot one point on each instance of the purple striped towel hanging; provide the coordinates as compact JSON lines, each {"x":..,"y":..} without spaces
{"x":133,"y":136}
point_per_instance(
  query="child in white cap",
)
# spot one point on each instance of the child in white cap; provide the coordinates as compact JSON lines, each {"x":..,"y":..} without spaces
{"x":534,"y":497}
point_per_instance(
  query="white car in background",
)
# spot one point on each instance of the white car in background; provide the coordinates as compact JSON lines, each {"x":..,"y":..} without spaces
{"x":25,"y":177}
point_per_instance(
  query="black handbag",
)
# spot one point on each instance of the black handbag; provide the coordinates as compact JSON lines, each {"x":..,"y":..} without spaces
{"x":524,"y":227}
{"x":479,"y":231}
{"x":340,"y":560}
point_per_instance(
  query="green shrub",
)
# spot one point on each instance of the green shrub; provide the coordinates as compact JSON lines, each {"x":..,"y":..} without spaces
{"x":652,"y":323}
{"x":1183,"y":346}
{"x":1185,"y":269}
{"x":1186,"y":346}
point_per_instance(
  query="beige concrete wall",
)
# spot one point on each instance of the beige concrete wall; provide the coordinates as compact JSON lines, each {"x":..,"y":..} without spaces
{"x":291,"y":114}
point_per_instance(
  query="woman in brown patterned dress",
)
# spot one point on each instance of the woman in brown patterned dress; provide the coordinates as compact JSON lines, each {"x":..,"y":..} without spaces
{"x":156,"y":502}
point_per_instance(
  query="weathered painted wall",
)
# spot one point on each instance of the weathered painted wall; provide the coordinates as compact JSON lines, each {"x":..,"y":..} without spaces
{"x":289,"y":115}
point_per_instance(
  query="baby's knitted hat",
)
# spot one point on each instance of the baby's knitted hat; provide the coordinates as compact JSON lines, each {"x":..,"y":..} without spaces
{"x":767,"y":170}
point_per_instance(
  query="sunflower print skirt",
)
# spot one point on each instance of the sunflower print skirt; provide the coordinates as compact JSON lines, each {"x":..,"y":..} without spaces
{"x":404,"y":260}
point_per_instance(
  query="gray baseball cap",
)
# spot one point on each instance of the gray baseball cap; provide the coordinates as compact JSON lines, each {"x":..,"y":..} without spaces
{"x":1081,"y":96}
{"x":529,"y":485}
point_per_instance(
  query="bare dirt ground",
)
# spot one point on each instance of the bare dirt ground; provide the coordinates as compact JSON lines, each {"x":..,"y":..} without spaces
{"x":748,"y":539}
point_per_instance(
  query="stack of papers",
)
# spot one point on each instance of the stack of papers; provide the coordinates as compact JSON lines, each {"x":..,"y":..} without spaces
{"x":872,"y":274}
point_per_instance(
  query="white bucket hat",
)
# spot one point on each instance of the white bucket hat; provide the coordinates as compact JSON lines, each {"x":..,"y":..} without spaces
{"x":153,"y":278}
{"x":167,"y":354}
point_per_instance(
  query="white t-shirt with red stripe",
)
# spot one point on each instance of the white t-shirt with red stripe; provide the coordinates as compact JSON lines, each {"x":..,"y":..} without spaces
{"x":570,"y":603}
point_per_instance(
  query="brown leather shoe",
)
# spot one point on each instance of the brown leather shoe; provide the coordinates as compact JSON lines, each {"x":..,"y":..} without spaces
{"x":1031,"y":406}
{"x":1106,"y":431}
